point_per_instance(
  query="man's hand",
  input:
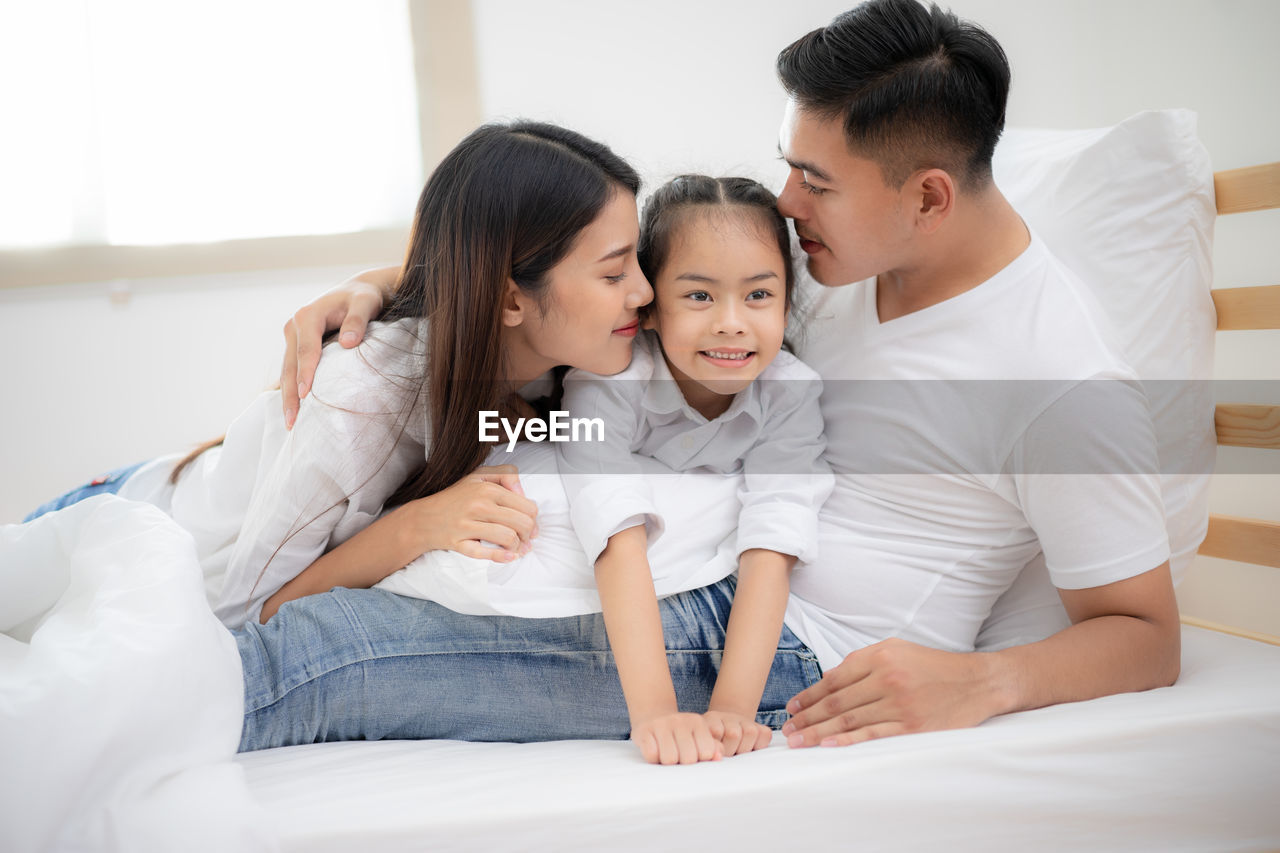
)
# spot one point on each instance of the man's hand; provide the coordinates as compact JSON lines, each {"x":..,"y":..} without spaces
{"x":349,"y":306}
{"x":737,"y":734}
{"x":890,"y":688}
{"x":677,"y":738}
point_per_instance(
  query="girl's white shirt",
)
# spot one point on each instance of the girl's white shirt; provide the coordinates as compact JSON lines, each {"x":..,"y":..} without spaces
{"x":268,"y":501}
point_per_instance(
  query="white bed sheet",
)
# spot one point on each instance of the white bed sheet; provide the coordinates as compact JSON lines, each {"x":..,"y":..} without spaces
{"x":1191,"y":767}
{"x":120,"y":703}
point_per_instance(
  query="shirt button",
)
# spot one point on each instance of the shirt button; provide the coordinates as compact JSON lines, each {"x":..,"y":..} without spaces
{"x":686,"y":442}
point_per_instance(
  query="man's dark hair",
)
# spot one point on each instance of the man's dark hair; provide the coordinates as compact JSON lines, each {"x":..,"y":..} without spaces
{"x":916,"y":87}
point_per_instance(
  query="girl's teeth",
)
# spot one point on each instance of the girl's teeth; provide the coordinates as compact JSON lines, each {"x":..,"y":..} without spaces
{"x":736,"y":356}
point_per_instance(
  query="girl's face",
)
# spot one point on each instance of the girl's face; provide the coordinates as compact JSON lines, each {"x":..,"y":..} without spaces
{"x":721,"y":306}
{"x":589,"y":314}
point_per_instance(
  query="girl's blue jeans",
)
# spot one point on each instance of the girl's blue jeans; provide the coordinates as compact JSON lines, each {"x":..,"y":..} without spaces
{"x":366,"y":664}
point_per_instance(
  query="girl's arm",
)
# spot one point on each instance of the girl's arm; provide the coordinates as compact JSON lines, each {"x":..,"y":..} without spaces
{"x":486,"y":505}
{"x":631,"y":618}
{"x":755,"y":624}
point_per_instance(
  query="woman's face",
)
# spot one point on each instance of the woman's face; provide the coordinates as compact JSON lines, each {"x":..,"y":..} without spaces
{"x":588,"y":316}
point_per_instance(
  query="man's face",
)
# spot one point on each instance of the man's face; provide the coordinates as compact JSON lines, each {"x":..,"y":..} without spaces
{"x":850,"y":224}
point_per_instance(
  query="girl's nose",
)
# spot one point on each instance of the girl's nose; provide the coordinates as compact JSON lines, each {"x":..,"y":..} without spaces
{"x":728,"y":319}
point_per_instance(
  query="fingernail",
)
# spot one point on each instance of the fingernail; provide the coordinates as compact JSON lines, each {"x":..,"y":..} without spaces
{"x":289,"y":416}
{"x":302,"y":390}
{"x":788,"y":727}
{"x":795,"y":740}
{"x":793,"y":707}
{"x":828,"y":741}
{"x":347,"y":338}
{"x":525,"y":549}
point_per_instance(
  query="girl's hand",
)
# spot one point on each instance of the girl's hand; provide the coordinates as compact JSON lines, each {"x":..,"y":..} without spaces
{"x":737,"y":734}
{"x":487,"y":505}
{"x":677,"y":738}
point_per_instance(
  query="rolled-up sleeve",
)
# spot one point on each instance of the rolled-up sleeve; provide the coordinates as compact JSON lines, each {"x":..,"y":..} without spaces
{"x":604,"y":482}
{"x":787,"y":479}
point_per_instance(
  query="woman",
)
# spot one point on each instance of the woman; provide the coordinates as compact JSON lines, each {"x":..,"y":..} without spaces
{"x":515,"y":225}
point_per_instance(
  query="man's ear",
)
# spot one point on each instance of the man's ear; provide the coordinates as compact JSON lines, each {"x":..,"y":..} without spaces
{"x":934,"y":192}
{"x":514,"y":304}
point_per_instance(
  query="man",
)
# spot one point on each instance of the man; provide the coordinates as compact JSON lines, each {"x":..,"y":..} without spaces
{"x":948,"y":482}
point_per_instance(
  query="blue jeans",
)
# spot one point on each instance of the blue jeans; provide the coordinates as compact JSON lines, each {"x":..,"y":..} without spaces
{"x":107,"y":484}
{"x":357,"y":664}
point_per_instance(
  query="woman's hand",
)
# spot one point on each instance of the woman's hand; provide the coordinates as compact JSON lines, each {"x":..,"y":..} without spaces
{"x":487,"y":505}
{"x":676,"y":738}
{"x":737,"y":734}
{"x":349,"y":306}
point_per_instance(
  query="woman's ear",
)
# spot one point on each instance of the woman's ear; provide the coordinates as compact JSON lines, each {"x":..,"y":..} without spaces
{"x":513,"y":305}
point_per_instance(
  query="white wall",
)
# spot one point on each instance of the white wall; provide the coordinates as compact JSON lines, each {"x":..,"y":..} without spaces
{"x":675,"y":85}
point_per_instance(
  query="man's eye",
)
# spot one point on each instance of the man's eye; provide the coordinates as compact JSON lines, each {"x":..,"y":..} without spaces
{"x":811,"y":189}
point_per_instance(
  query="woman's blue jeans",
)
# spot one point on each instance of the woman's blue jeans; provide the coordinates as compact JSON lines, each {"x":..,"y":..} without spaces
{"x":366,"y":664}
{"x":107,"y":484}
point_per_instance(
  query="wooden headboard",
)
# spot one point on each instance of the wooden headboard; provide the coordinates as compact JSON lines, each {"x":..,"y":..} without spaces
{"x":1245,"y":540}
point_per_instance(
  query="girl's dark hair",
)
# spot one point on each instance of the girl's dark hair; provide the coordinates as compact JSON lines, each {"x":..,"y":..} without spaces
{"x":673,"y":202}
{"x":508,"y":203}
{"x":915,"y":87}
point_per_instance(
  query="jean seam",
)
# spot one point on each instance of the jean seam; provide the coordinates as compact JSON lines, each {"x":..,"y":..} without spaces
{"x":454,"y":653}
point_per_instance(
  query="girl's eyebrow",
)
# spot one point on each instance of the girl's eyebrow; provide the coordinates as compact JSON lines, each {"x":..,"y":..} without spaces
{"x":699,"y":277}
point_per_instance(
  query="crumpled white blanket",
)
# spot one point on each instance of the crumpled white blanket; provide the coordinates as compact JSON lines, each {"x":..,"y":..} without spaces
{"x":121,"y":698}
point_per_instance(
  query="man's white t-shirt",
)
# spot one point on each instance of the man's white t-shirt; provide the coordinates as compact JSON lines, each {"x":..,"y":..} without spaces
{"x":965,"y":438}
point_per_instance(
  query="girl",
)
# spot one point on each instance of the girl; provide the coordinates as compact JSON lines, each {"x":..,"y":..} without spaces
{"x":710,"y":390}
{"x":517,"y":222}
{"x":717,"y":396}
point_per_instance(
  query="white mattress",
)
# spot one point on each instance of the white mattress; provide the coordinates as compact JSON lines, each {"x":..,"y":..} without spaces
{"x":121,"y":702}
{"x":1191,"y":767}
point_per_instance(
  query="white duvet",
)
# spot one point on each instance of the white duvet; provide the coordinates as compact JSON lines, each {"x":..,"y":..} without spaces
{"x":120,"y":694}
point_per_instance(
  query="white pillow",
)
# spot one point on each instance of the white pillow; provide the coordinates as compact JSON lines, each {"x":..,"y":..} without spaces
{"x":1130,"y":208}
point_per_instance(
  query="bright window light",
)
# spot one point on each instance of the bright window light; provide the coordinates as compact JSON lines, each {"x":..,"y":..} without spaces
{"x":143,"y":122}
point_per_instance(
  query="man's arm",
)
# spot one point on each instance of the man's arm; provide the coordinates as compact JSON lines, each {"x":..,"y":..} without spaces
{"x":349,"y":306}
{"x":1125,"y":637}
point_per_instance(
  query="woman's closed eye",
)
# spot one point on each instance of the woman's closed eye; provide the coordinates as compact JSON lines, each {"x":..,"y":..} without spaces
{"x":615,"y":279}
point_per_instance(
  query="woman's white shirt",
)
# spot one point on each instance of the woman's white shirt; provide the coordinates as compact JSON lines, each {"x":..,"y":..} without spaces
{"x":268,"y":501}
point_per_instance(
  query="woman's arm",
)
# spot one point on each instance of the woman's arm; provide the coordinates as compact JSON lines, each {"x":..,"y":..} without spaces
{"x":486,"y":505}
{"x":755,"y":624}
{"x":631,"y":618}
{"x":349,"y":306}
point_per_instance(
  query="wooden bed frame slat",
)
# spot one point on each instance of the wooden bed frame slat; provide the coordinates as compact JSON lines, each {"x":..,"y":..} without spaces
{"x":1233,"y":631}
{"x":1241,"y":425}
{"x":1252,"y":188}
{"x":1246,"y":540}
{"x":1247,"y":307}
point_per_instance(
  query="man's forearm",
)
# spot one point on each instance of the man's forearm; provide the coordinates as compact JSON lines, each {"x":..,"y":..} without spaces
{"x":1096,"y":656}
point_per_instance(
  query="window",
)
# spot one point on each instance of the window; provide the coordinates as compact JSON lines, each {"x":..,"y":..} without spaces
{"x":147,"y":123}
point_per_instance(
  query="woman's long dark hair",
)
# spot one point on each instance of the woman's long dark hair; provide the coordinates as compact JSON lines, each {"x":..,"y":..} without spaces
{"x":507,"y":203}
